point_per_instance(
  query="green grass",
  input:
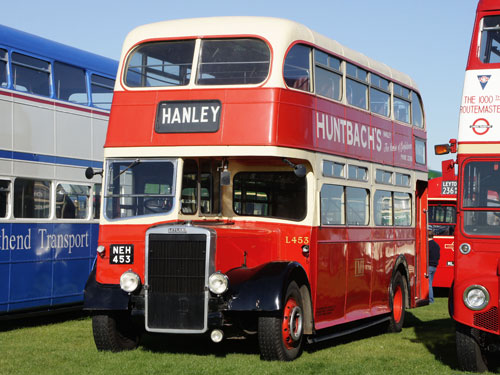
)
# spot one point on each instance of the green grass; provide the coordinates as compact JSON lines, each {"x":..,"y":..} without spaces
{"x":64,"y":345}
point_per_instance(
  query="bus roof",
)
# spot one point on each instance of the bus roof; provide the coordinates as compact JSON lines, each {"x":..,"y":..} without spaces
{"x":486,"y":5}
{"x":279,"y":32}
{"x":41,"y":47}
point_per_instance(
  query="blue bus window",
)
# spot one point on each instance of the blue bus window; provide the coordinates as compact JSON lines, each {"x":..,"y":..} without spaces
{"x":30,"y":74}
{"x":4,"y":196}
{"x":3,"y":68}
{"x":102,"y":91}
{"x":70,"y":83}
{"x":31,"y":198}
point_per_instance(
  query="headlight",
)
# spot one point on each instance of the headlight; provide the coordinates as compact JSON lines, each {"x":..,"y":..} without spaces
{"x":476,"y":297}
{"x":129,"y":281}
{"x":217,"y":283}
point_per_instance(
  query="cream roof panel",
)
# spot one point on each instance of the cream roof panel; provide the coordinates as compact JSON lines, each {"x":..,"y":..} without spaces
{"x":279,"y":32}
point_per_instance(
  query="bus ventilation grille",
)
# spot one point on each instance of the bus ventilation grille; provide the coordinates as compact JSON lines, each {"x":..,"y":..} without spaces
{"x":176,"y":272}
{"x":487,"y":320}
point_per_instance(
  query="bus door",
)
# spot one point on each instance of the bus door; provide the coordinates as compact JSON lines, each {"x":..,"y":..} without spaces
{"x":421,"y":245}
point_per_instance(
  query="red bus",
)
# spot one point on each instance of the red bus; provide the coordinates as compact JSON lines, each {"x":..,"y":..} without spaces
{"x":262,"y":179}
{"x":475,"y":298}
{"x":442,"y":202}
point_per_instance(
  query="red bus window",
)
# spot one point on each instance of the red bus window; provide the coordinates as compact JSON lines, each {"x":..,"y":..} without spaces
{"x":490,"y":40}
{"x":160,"y":64}
{"x":233,"y":62}
{"x":270,"y":194}
{"x":297,"y":70}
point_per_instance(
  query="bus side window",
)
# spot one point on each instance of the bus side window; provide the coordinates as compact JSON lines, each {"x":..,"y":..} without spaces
{"x":31,"y":198}
{"x":4,"y":197}
{"x":297,"y":71}
{"x":102,"y":91}
{"x":332,"y":205}
{"x":189,"y":192}
{"x":70,"y":83}
{"x":356,"y":86}
{"x":3,"y":68}
{"x":72,"y":201}
{"x":30,"y":74}
{"x":383,"y":209}
{"x":357,"y":206}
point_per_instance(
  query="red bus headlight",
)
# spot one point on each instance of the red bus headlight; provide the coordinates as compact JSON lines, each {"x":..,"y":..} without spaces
{"x":476,"y":297}
{"x":218,"y":283}
{"x":129,"y":281}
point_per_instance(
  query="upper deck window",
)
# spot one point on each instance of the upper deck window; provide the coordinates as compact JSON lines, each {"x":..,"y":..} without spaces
{"x":417,"y":113}
{"x":297,"y":69}
{"x":327,"y":75}
{"x":102,"y":91}
{"x":70,"y":83}
{"x":380,"y":97}
{"x":401,"y":103}
{"x":30,"y":74}
{"x":160,"y":64}
{"x":356,"y":87}
{"x":3,"y":68}
{"x":490,"y":40}
{"x":233,"y":62}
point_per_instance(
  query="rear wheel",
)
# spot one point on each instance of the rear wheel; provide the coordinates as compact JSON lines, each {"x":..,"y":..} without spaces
{"x":398,"y":298}
{"x":115,"y":331}
{"x":471,"y":348}
{"x":281,"y":337}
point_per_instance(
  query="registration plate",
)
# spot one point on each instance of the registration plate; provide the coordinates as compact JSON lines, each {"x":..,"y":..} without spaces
{"x":121,"y":254}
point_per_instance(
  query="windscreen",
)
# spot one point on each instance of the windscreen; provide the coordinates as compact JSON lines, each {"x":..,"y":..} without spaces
{"x":481,"y":198}
{"x":139,"y":187}
{"x":490,"y":40}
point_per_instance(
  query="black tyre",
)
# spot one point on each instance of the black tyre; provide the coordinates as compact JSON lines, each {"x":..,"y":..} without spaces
{"x":114,"y":331}
{"x":281,"y":337}
{"x":397,"y":302}
{"x":471,"y":348}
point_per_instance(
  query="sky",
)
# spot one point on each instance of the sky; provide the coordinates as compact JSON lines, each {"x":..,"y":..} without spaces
{"x":427,"y":39}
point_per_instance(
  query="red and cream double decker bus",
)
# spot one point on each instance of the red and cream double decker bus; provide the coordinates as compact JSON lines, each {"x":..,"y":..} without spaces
{"x":442,"y":202}
{"x":475,"y":300}
{"x":262,"y":179}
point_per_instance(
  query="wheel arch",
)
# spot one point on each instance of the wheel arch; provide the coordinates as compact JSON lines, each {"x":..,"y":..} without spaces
{"x":262,"y":289}
{"x":401,"y":266}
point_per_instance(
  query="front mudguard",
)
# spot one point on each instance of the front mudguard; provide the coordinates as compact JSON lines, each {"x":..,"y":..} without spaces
{"x":99,"y":296}
{"x":262,"y":288}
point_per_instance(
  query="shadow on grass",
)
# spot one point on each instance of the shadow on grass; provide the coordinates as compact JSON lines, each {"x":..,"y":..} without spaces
{"x":203,"y":346}
{"x":438,"y":336}
{"x":200,"y":345}
{"x":379,"y":329}
{"x":34,"y":319}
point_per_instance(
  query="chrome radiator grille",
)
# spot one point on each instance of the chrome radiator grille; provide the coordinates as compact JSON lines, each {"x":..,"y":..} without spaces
{"x":176,"y":299}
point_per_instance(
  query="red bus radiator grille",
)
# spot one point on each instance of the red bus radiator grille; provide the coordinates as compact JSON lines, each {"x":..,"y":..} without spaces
{"x":487,"y":320}
{"x":176,"y":281}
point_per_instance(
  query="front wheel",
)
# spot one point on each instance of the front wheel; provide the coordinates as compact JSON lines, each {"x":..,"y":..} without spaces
{"x":281,"y":337}
{"x":114,"y":331}
{"x":397,"y":300}
{"x":471,"y":350}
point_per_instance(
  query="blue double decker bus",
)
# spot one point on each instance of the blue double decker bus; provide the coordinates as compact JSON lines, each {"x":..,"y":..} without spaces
{"x":54,"y":109}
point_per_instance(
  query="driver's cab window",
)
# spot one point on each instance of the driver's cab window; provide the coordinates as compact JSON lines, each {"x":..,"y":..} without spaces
{"x":200,"y":187}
